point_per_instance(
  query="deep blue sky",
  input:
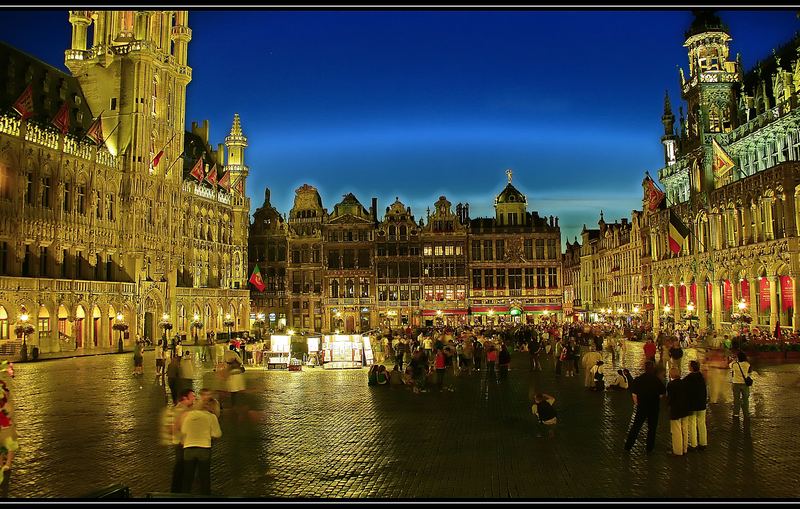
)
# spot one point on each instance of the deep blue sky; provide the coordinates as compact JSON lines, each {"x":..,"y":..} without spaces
{"x":418,"y":104}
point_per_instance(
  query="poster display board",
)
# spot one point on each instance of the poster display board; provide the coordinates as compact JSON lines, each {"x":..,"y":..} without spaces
{"x":342,"y":351}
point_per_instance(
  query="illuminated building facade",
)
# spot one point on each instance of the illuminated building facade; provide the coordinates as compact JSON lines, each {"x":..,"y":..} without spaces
{"x":514,"y":262}
{"x":349,"y":276}
{"x":398,"y":267}
{"x":269,"y":250}
{"x":744,"y":245}
{"x":305,"y":268}
{"x":91,"y":230}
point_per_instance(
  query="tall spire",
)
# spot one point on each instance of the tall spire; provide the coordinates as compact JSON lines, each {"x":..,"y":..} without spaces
{"x":668,"y":119}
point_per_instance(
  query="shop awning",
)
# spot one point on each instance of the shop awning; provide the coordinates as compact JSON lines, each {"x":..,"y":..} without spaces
{"x":434,"y":312}
{"x":542,"y":308}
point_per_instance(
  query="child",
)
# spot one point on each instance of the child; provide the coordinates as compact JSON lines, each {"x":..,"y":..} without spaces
{"x":543,"y":409}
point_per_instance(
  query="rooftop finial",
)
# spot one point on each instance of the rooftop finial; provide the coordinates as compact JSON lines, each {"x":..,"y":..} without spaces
{"x":509,"y":174}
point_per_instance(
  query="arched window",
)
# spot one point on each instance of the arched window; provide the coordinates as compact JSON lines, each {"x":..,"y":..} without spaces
{"x":154,"y":97}
{"x":335,"y":289}
{"x":350,"y":290}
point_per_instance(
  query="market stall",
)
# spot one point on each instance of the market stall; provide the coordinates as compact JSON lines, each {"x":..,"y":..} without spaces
{"x":313,"y":358}
{"x":342,"y":351}
{"x":278,"y":355}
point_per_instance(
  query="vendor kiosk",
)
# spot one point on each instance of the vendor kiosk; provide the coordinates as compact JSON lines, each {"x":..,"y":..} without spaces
{"x":313,"y":358}
{"x":278,"y":355}
{"x":342,"y":351}
{"x":369,"y":357}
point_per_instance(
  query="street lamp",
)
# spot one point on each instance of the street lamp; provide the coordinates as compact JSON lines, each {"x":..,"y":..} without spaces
{"x":120,"y":326}
{"x":742,"y":305}
{"x":165,"y":324}
{"x":24,"y":328}
{"x":228,"y":322}
{"x":196,"y":325}
{"x":259,"y":324}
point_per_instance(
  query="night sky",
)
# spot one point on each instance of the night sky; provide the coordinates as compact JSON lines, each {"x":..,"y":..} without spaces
{"x":416,"y":104}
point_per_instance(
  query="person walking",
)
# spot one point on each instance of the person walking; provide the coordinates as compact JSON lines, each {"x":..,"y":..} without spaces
{"x":678,"y":413}
{"x":186,"y":371}
{"x":491,"y":361}
{"x":478,"y":356}
{"x":534,"y":349}
{"x":646,"y":392}
{"x":173,"y":373}
{"x":159,"y":354}
{"x":198,"y":428}
{"x":740,"y":373}
{"x":138,"y":359}
{"x":557,"y":351}
{"x":504,"y":361}
{"x":184,"y":405}
{"x":675,"y":355}
{"x":697,"y":399}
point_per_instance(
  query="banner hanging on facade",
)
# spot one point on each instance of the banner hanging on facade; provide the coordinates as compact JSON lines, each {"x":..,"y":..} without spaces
{"x":671,"y":296}
{"x":709,"y":297}
{"x":787,"y":296}
{"x":745,"y":292}
{"x":727,"y":296}
{"x":763,"y":293}
{"x":693,"y":293}
{"x":682,"y":296}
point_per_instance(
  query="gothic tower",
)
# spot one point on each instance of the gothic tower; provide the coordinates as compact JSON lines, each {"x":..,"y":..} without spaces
{"x":711,"y":94}
{"x":235,"y":144}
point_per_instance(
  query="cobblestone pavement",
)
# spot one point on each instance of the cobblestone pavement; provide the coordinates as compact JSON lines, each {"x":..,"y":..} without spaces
{"x":86,"y":423}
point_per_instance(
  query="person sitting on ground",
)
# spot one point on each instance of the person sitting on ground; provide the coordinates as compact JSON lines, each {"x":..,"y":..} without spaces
{"x":597,"y":375}
{"x":628,"y":376}
{"x":395,"y":377}
{"x":381,"y":376}
{"x":619,"y":383}
{"x":372,"y":377}
{"x":543,"y":409}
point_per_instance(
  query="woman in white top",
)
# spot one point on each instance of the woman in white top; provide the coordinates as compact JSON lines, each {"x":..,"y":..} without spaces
{"x":740,"y":370}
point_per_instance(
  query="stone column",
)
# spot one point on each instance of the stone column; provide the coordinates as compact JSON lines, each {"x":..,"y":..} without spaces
{"x":656,"y":309}
{"x":753,"y":301}
{"x":795,"y":300}
{"x":700,"y":305}
{"x":677,"y":311}
{"x":716,"y":303}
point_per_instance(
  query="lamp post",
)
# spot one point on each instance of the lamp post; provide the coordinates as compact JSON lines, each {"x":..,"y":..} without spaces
{"x":165,"y":324}
{"x":667,"y":318}
{"x":120,"y":326}
{"x":24,"y":328}
{"x":196,"y":325}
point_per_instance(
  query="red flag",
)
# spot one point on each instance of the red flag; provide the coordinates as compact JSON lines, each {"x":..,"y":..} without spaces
{"x":239,"y":185}
{"x":256,"y":279}
{"x":197,"y":172}
{"x":95,"y":131}
{"x":225,"y":181}
{"x":652,"y":195}
{"x":61,"y":120}
{"x":157,"y":158}
{"x":212,"y":175}
{"x":24,"y":103}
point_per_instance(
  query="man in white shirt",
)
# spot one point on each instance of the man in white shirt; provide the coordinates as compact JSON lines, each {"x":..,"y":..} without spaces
{"x":198,"y":427}
{"x":740,"y":371}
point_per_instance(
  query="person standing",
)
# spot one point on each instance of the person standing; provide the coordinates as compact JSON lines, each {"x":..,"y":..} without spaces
{"x":491,"y":361}
{"x":534,"y":349}
{"x":740,"y":371}
{"x":440,"y":365}
{"x":478,"y":356}
{"x":557,"y":350}
{"x":184,"y":405}
{"x":173,"y":373}
{"x":650,"y":351}
{"x":504,"y":361}
{"x":159,"y":353}
{"x":646,"y":392}
{"x":678,"y":412}
{"x":590,"y":360}
{"x":198,"y":428}
{"x":675,"y":355}
{"x":697,"y":398}
{"x":138,"y":359}
{"x":186,"y":371}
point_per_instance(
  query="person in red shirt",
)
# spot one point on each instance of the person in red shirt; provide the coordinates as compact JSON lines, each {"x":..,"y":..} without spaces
{"x":650,"y":351}
{"x":440,"y":364}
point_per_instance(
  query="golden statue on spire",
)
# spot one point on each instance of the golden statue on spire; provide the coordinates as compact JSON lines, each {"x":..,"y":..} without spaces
{"x":509,"y":174}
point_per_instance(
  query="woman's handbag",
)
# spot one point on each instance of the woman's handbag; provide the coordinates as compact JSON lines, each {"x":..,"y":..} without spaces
{"x":747,"y":380}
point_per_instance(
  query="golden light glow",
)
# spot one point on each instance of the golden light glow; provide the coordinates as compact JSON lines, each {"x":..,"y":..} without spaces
{"x":227,"y":316}
{"x":165,"y":317}
{"x":196,"y":317}
{"x":23,"y":317}
{"x":120,"y":317}
{"x":667,"y":309}
{"x":619,"y":310}
{"x":439,"y":312}
{"x":290,"y":332}
{"x":635,"y":309}
{"x":690,"y":307}
{"x":742,"y":305}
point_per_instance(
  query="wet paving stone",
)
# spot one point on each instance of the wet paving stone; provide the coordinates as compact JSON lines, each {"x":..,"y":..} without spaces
{"x":86,"y":423}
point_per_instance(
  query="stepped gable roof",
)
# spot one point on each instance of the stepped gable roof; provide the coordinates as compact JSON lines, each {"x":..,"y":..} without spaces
{"x":51,"y":87}
{"x":349,"y":206}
